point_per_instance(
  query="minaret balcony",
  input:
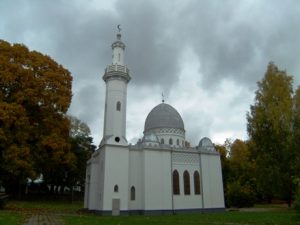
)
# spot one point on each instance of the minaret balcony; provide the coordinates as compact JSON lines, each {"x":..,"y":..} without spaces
{"x":116,"y":67}
{"x":116,"y":71}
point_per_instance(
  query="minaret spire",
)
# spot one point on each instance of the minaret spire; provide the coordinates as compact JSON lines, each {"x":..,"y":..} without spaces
{"x":116,"y":77}
{"x":162,"y":97}
{"x":118,"y":48}
{"x":119,"y":32}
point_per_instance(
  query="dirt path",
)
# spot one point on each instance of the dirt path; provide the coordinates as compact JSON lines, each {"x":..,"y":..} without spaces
{"x":44,"y":219}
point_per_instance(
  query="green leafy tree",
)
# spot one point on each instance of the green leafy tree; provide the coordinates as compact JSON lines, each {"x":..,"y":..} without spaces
{"x":224,"y":162}
{"x":269,"y":127}
{"x":35,"y":93}
{"x":238,"y":167}
{"x":295,"y":143}
{"x":82,"y":147}
{"x":225,"y":167}
{"x":239,"y":195}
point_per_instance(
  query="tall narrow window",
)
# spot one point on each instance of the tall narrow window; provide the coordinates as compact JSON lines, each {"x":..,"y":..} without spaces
{"x":119,"y":57}
{"x":162,"y":141}
{"x":132,"y":193}
{"x":170,"y":141}
{"x":176,"y":188}
{"x":197,"y":183}
{"x":186,"y":182}
{"x":118,"y":106}
{"x":177,"y":142}
{"x":116,"y":188}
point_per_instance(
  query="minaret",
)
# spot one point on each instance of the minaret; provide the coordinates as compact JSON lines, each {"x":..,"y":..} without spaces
{"x":116,"y":77}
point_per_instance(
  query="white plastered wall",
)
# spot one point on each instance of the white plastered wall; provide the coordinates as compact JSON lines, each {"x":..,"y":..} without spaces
{"x":136,"y":179}
{"x":174,"y":137}
{"x":191,"y":201}
{"x":162,"y":134}
{"x":157,"y":182}
{"x":118,"y":56}
{"x":87,"y":185}
{"x":115,"y":121}
{"x":116,"y":173}
{"x":212,"y":181}
{"x":93,"y":184}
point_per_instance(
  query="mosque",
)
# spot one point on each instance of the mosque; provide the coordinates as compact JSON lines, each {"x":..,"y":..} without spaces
{"x":160,"y":173}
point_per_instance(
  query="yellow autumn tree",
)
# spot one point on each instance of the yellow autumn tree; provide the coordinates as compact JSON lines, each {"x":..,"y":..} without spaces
{"x":35,"y":94}
{"x":270,"y":126}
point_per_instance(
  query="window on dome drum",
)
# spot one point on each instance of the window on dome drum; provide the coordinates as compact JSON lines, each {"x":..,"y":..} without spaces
{"x":118,"y":106}
{"x":177,"y":142}
{"x":132,"y":193}
{"x":116,"y":188}
{"x":176,"y":188}
{"x":170,"y":141}
{"x":162,"y":141}
{"x":197,"y":183}
{"x":186,"y":183}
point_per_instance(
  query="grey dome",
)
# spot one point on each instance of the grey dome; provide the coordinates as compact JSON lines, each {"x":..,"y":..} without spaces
{"x":163,"y":116}
{"x":206,"y":144}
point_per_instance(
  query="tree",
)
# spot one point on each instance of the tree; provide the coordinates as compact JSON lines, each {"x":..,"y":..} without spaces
{"x":237,"y":170}
{"x":35,"y":93}
{"x":82,"y":147}
{"x":269,"y":127}
{"x":296,"y":130}
{"x":224,"y":163}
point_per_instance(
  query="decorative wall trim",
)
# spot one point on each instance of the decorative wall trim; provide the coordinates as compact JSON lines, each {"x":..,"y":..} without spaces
{"x":185,"y":158}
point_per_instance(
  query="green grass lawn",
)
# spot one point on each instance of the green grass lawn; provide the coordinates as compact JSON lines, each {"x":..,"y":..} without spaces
{"x":51,"y":206}
{"x":11,"y":218}
{"x":226,"y":218}
{"x":16,"y":211}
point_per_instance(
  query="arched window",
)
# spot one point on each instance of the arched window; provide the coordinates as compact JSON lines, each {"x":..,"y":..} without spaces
{"x":116,"y":188}
{"x":170,"y":141}
{"x":186,"y":183}
{"x":182,"y":143}
{"x":197,"y":183}
{"x":132,"y":193}
{"x":162,"y":141}
{"x":176,"y":188}
{"x":177,"y":142}
{"x":118,"y":106}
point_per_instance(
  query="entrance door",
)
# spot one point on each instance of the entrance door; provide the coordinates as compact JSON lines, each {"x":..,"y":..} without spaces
{"x":116,"y":207}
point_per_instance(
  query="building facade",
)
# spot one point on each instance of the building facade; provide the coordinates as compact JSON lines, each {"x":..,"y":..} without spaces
{"x":158,"y":174}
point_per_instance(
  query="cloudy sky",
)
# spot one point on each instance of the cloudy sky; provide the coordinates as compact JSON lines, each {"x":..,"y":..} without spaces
{"x":205,"y":55}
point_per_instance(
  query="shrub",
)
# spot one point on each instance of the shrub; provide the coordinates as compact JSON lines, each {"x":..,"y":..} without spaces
{"x":239,"y":195}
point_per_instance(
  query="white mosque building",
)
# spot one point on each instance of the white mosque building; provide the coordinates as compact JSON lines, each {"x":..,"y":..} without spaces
{"x":159,"y":174}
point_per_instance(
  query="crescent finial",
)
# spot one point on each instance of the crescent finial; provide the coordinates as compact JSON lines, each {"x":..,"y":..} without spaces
{"x":119,"y":27}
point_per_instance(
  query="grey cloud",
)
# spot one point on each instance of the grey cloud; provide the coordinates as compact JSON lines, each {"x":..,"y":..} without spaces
{"x":152,"y":55}
{"x":196,"y":131}
{"x":231,"y":39}
{"x":239,"y":46}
